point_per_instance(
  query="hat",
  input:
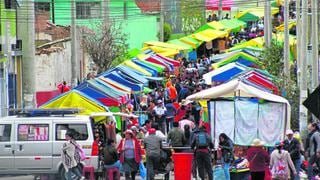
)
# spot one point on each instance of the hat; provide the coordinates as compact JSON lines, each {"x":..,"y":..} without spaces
{"x":159,"y":101}
{"x":289,"y":131}
{"x":152,"y":131}
{"x":257,"y":142}
{"x":184,"y":102}
{"x":134,"y":128}
{"x":128,"y":131}
{"x":278,"y":144}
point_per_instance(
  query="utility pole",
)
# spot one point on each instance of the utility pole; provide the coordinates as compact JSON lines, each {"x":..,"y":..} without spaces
{"x":298,"y":28}
{"x":315,"y":45}
{"x":7,"y":52}
{"x":220,"y":10}
{"x":162,"y":7}
{"x":303,"y":83}
{"x":267,"y":24}
{"x":74,"y":63}
{"x":286,"y":46}
{"x":26,"y":33}
{"x":125,"y":9}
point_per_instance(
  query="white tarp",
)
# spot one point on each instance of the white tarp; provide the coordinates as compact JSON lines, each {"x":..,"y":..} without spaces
{"x":243,"y":120}
{"x":237,"y":88}
{"x":246,"y":121}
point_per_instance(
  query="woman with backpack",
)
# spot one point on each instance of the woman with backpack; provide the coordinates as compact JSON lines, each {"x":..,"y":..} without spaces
{"x":226,"y":148}
{"x":281,"y":163}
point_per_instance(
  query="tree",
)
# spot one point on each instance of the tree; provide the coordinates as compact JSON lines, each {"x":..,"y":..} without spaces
{"x":192,"y":15}
{"x":272,"y":58}
{"x":167,"y":30}
{"x":107,"y":46}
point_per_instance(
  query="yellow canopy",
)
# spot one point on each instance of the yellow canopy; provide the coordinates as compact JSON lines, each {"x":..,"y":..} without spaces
{"x":209,"y":35}
{"x":291,"y":24}
{"x":75,"y":99}
{"x":131,"y":64}
{"x":164,"y":45}
{"x":218,"y":26}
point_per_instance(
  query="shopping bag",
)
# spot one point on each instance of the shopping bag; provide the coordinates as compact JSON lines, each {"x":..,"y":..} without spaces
{"x":218,"y":173}
{"x":143,"y":171}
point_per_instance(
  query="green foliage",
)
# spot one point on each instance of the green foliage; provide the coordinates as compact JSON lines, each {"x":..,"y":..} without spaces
{"x":167,"y":31}
{"x":192,"y":14}
{"x":272,"y":59}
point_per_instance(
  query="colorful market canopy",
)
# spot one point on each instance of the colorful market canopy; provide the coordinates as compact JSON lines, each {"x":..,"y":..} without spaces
{"x":216,"y":25}
{"x":191,"y":41}
{"x":261,"y":80}
{"x":153,"y":71}
{"x":119,"y":79}
{"x":97,"y":94}
{"x":239,"y":57}
{"x":160,"y":68}
{"x":224,"y":73}
{"x":175,"y":63}
{"x":181,"y":43}
{"x":115,"y":84}
{"x":164,"y":45}
{"x":132,"y":65}
{"x":254,"y":14}
{"x":209,"y":35}
{"x":234,"y":24}
{"x":291,"y":25}
{"x":75,"y":99}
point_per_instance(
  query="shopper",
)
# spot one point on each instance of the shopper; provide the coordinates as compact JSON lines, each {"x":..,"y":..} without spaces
{"x":70,"y":158}
{"x":258,"y":159}
{"x":202,"y":145}
{"x":226,"y":147}
{"x":110,"y":155}
{"x":153,"y":145}
{"x":130,"y":155}
{"x":176,"y":137}
{"x":312,"y":146}
{"x":292,"y":145}
{"x":281,"y":163}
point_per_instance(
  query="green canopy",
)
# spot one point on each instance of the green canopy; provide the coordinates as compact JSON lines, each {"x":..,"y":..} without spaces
{"x":204,"y":27}
{"x":134,"y":52}
{"x":236,"y":56}
{"x":147,"y":90}
{"x":234,"y":24}
{"x":180,"y":43}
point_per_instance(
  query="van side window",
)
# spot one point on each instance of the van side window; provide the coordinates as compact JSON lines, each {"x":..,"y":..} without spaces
{"x":33,"y":132}
{"x":5,"y":132}
{"x":81,"y":131}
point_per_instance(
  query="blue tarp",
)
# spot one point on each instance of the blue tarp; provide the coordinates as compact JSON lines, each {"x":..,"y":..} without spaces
{"x":94,"y":92}
{"x":226,"y":75}
{"x":118,"y":78}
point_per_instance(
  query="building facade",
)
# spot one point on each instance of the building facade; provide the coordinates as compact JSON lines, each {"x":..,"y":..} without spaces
{"x":139,"y":26}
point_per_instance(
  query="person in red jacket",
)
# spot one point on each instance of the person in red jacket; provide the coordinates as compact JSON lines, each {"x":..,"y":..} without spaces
{"x":130,"y":154}
{"x":258,"y":160}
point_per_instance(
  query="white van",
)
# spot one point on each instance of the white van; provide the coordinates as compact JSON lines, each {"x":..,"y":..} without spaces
{"x":32,"y":144}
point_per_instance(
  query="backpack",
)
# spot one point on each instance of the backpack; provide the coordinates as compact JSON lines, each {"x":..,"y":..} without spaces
{"x":279,"y":170}
{"x":201,"y":140}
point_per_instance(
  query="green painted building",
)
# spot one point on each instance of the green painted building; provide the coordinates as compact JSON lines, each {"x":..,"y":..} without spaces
{"x":138,"y":26}
{"x":9,"y":57}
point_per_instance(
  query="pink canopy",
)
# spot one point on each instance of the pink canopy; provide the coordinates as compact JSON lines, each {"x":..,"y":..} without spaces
{"x":214,"y":4}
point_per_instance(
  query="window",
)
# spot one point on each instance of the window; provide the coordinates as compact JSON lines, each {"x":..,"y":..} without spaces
{"x":41,"y":6}
{"x":33,"y":132}
{"x":81,"y":131}
{"x":88,"y":10}
{"x":9,"y":4}
{"x":5,"y":132}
